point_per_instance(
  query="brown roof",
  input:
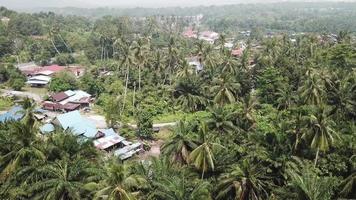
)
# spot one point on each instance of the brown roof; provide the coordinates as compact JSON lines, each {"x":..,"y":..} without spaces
{"x":70,"y":106}
{"x":51,"y":106}
{"x":59,"y":96}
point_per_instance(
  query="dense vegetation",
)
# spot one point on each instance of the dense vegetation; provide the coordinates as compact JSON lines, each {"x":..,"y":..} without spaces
{"x":285,"y":16}
{"x":276,"y":123}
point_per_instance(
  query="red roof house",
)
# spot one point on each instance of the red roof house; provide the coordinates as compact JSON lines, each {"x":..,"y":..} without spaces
{"x":59,"y":96}
{"x":190,"y":33}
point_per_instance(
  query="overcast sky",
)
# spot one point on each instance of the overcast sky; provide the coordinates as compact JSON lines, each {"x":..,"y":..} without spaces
{"x":19,"y":4}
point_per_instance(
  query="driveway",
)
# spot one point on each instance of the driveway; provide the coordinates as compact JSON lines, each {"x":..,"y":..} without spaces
{"x":30,"y":95}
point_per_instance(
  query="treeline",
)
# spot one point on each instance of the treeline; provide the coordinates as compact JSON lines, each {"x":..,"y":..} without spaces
{"x":286,"y":16}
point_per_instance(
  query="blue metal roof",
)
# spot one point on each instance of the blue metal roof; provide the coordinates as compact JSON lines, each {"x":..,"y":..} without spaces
{"x":14,"y":114}
{"x":47,"y":128}
{"x":108,"y":132}
{"x":80,"y":126}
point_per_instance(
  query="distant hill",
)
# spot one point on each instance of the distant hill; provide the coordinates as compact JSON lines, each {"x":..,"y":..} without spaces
{"x":36,"y":4}
{"x":323,"y":8}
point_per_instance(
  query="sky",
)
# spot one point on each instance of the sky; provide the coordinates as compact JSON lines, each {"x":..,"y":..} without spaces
{"x":26,"y":4}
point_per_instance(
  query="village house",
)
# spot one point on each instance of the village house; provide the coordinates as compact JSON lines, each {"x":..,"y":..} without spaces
{"x":189,"y":33}
{"x":208,"y":36}
{"x":68,"y":101}
{"x":41,"y":76}
{"x":105,"y":139}
{"x":16,"y":113}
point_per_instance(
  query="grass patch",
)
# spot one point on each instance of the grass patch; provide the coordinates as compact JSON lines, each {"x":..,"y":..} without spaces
{"x":163,"y":134}
{"x":39,"y":91}
{"x":5,"y":103}
{"x":174,"y":117}
{"x":169,"y":117}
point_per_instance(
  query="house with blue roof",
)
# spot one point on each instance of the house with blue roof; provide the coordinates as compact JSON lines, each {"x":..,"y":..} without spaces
{"x":14,"y":114}
{"x":76,"y":123}
{"x":106,"y":139}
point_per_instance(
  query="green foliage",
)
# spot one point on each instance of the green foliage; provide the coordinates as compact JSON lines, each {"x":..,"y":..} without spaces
{"x":25,"y":24}
{"x":144,"y":124}
{"x":5,"y":103}
{"x":91,"y":85}
{"x":64,"y":59}
{"x":16,"y":80}
{"x":17,"y":84}
{"x":62,"y":82}
{"x":247,"y":127}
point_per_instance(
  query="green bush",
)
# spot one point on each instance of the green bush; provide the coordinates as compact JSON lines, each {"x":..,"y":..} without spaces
{"x":17,"y":84}
{"x":62,"y":82}
{"x":144,"y":124}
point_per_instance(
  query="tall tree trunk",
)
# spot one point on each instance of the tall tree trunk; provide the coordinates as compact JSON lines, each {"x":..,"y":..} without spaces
{"x":134,"y":93}
{"x":139,"y":77}
{"x":316,"y":157}
{"x":55,"y":48}
{"x":102,"y":52}
{"x":70,"y":50}
{"x":126,"y":85}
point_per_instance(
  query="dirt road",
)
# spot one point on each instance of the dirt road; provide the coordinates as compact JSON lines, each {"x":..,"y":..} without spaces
{"x":33,"y":96}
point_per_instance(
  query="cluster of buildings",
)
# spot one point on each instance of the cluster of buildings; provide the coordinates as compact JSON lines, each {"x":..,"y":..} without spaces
{"x":38,"y":76}
{"x":208,"y":36}
{"x":106,"y":140}
{"x":67,"y":101}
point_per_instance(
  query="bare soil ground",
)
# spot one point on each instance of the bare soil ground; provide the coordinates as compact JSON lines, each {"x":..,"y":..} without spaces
{"x":155,"y":150}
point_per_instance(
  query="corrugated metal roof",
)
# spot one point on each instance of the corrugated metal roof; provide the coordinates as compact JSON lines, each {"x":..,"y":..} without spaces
{"x":37,"y":82}
{"x":128,"y":151}
{"x":59,"y":96}
{"x":45,"y":72}
{"x":47,"y":128}
{"x":70,"y":106}
{"x":108,"y":141}
{"x":69,"y":93}
{"x":40,"y":78}
{"x":80,"y":126}
{"x":14,"y":114}
{"x":76,"y":97}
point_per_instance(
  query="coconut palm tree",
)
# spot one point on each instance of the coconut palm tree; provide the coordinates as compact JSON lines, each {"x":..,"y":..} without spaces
{"x":221,"y":120}
{"x":221,"y":41}
{"x":185,"y":70}
{"x":247,"y":120}
{"x":348,"y":185}
{"x":225,"y":89}
{"x":320,"y":134}
{"x":180,"y":188}
{"x":189,"y":95}
{"x":304,"y":183}
{"x":119,"y":182}
{"x":125,"y":61}
{"x":203,"y":156}
{"x":244,"y":181}
{"x":341,"y":96}
{"x":62,"y":145}
{"x":229,"y":64}
{"x":285,"y":97}
{"x":61,"y":179}
{"x":180,"y":145}
{"x":312,"y":91}
{"x":20,"y":147}
{"x":140,"y":49}
{"x":172,"y":57}
{"x":28,"y":110}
